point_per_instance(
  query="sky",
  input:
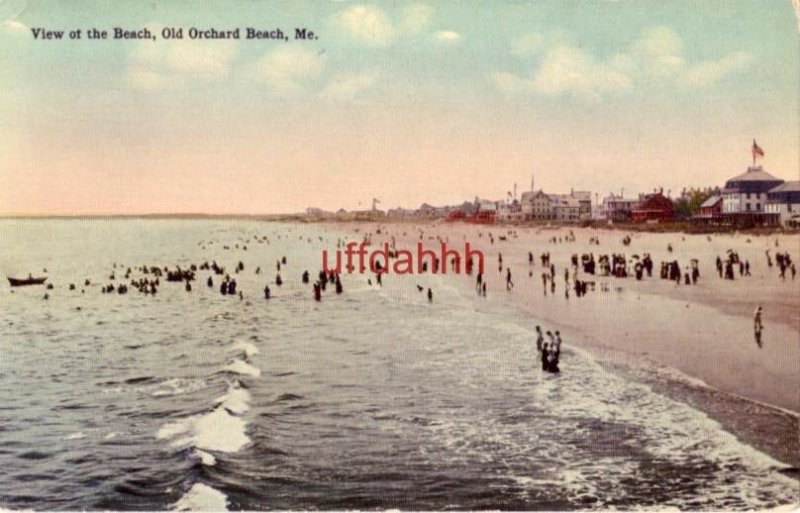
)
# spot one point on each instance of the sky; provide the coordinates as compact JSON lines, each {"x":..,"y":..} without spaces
{"x":407,"y":102}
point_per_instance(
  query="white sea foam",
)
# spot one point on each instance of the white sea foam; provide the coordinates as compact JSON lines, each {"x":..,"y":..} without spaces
{"x":75,"y":436}
{"x":235,"y":400}
{"x":177,"y":386}
{"x":246,"y":347}
{"x":205,"y":458}
{"x":243,"y":368}
{"x":215,"y":431}
{"x":202,"y":497}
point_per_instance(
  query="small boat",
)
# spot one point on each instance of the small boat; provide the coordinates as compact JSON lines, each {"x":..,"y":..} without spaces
{"x":17,"y":282}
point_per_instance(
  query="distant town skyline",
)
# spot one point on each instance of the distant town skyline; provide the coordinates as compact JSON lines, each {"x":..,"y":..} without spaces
{"x":405,"y":102}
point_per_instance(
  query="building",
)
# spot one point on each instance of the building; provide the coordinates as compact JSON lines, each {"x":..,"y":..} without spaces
{"x":456,"y":215}
{"x":368,"y":215}
{"x":536,"y":206}
{"x":573,"y":207}
{"x":509,"y":212}
{"x":487,"y":206}
{"x":655,"y":207}
{"x":426,"y":210}
{"x":710,"y":210}
{"x":400,"y":212}
{"x":584,"y":199}
{"x":744,"y":198}
{"x":784,"y":201}
{"x":317,"y":212}
{"x":617,"y":209}
{"x":566,"y":209}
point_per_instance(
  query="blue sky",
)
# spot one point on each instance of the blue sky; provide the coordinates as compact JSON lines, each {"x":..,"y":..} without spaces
{"x":407,"y":102}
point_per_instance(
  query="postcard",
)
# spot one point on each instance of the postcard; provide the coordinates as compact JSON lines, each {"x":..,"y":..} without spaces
{"x":419,"y":255}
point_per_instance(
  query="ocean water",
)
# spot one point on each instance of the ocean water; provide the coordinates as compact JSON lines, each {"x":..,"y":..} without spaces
{"x":373,"y":399}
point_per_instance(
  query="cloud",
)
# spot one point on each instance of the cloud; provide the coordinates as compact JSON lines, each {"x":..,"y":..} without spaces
{"x":285,"y":68}
{"x":796,"y":6}
{"x":371,"y":25}
{"x":658,"y":50}
{"x":655,"y":56}
{"x":568,"y":70}
{"x":15,"y":26}
{"x":346,"y":87}
{"x":367,"y":24}
{"x":708,"y":73}
{"x":527,"y":45}
{"x":416,"y":18}
{"x":447,"y":37}
{"x":158,"y":66}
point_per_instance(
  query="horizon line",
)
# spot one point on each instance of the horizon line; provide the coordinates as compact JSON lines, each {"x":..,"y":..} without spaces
{"x":95,"y":215}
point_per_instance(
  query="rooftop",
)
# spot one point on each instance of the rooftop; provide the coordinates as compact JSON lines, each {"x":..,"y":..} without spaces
{"x":710,"y":202}
{"x":755,"y":174}
{"x":793,"y":186}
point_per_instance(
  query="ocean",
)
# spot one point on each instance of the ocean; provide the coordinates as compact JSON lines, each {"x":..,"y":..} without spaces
{"x":373,"y":399}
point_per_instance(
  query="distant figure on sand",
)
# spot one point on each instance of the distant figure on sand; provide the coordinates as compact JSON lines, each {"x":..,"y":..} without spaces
{"x":539,"y":338}
{"x":758,"y":327}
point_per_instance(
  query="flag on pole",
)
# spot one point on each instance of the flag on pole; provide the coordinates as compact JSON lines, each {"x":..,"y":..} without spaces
{"x":757,"y":151}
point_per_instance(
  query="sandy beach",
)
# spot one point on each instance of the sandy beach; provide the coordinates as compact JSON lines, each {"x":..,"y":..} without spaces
{"x":705,"y":331}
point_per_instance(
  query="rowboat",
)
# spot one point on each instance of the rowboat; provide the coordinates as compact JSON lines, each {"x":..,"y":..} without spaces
{"x":17,"y":282}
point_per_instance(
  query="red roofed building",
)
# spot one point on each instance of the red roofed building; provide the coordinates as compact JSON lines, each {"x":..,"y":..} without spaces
{"x":655,"y":208}
{"x":710,"y":210}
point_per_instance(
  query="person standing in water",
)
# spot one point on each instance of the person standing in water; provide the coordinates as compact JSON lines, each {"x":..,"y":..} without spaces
{"x":758,"y":327}
{"x":539,"y":338}
{"x":545,"y":357}
{"x":557,"y":345}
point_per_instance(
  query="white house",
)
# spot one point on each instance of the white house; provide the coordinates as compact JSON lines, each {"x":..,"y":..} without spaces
{"x":784,"y":201}
{"x":536,"y":206}
{"x":744,"y":197}
{"x":509,"y":211}
{"x":617,"y":208}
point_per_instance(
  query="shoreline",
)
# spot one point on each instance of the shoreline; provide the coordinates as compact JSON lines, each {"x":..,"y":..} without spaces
{"x":674,"y":227}
{"x":710,"y":324}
